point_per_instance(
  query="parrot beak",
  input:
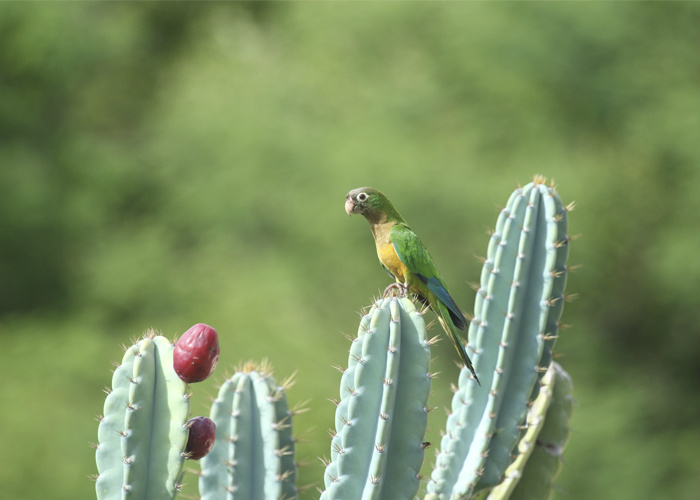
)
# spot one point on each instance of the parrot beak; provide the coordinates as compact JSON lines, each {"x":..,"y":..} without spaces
{"x":349,"y":205}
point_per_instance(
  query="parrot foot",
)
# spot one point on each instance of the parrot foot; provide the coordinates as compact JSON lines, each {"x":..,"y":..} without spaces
{"x":396,"y":290}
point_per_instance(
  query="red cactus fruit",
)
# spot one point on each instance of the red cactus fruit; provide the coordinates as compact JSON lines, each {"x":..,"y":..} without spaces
{"x":201,"y":438}
{"x":196,"y":353}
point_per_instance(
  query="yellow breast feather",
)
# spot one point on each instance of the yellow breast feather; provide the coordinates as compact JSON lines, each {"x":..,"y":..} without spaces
{"x":387,"y":256}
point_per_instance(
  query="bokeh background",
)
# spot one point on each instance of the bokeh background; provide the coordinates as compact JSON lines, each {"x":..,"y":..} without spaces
{"x":163,"y":164}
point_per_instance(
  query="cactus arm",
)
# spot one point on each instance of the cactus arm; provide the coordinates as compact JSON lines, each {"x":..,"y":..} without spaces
{"x":541,"y":239}
{"x":377,"y":450}
{"x":516,"y":311}
{"x":253,"y":455}
{"x":146,"y":430}
{"x":472,"y":423}
{"x":546,"y":459}
{"x":138,"y":457}
{"x":531,"y":475}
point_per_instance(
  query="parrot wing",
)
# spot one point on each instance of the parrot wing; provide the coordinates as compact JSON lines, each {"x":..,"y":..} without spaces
{"x":415,"y":257}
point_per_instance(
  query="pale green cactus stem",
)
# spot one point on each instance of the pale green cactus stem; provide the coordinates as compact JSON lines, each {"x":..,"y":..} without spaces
{"x":378,"y":447}
{"x":253,"y":456}
{"x":142,"y":434}
{"x":517,"y":309}
{"x":531,"y":475}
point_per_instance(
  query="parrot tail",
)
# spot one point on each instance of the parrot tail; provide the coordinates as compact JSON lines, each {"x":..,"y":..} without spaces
{"x":451,"y":330}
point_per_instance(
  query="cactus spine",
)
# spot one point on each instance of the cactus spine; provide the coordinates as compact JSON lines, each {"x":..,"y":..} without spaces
{"x":377,"y":450}
{"x":517,"y":309}
{"x":253,"y":456}
{"x":142,"y":434}
{"x":531,"y":475}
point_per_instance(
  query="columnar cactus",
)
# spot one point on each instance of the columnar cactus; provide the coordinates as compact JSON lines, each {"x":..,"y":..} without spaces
{"x":377,"y":450}
{"x":142,"y":434}
{"x":517,"y":309}
{"x":253,"y":456}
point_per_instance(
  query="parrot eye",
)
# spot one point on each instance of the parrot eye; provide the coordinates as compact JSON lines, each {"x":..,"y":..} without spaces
{"x":362,"y":197}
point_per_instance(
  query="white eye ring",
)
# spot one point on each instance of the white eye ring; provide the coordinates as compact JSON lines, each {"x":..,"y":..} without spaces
{"x":362,"y":197}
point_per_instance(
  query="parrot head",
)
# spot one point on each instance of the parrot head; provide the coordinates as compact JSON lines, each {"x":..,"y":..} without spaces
{"x":363,"y":201}
{"x":370,"y":203}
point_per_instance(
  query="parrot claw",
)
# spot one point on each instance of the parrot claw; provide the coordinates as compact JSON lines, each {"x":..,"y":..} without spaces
{"x":391,"y":290}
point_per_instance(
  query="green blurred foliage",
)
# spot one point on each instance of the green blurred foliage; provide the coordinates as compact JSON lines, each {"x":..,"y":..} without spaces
{"x":163,"y":164}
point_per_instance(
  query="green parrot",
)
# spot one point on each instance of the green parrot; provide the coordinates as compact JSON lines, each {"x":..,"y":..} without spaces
{"x":405,"y":258}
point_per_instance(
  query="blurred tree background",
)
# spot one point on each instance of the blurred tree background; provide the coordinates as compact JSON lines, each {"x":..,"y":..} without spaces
{"x":163,"y":164}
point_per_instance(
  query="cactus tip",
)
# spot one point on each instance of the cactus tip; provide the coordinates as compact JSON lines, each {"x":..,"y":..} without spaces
{"x":151,"y":334}
{"x":246,"y":367}
{"x":539,"y":179}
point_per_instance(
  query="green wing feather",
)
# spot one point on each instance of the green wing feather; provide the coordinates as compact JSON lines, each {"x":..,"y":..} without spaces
{"x":416,"y":258}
